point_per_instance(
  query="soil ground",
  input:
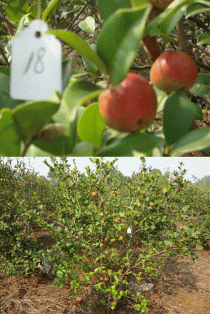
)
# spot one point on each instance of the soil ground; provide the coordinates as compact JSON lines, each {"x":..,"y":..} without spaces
{"x":183,"y":287}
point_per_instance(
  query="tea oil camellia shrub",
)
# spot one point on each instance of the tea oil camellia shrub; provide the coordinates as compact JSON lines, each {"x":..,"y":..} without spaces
{"x":89,"y":251}
{"x":104,"y":108}
{"x":131,"y":106}
{"x":173,"y":71}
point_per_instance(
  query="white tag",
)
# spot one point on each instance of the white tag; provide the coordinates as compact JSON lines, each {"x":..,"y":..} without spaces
{"x":129,"y":230}
{"x":36,"y":63}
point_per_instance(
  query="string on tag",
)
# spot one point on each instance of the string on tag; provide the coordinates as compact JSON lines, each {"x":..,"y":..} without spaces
{"x":39,"y":14}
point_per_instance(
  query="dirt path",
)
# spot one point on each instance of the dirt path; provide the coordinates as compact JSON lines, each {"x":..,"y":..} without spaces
{"x":184,"y":287}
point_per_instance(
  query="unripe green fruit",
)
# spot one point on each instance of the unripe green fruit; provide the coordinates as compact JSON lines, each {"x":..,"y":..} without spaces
{"x":131,"y":106}
{"x":173,"y":70}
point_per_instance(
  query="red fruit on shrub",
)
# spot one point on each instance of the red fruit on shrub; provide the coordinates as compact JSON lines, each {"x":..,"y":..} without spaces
{"x":79,"y":300}
{"x":173,"y":70}
{"x":131,"y":106}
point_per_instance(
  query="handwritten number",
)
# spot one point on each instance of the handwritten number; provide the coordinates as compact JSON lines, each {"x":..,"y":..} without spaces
{"x":29,"y":63}
{"x":39,"y":61}
{"x":37,"y":68}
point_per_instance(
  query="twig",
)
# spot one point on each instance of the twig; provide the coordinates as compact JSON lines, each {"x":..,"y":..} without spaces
{"x":5,"y":58}
{"x":181,"y":36}
{"x":199,"y":23}
{"x":9,"y":25}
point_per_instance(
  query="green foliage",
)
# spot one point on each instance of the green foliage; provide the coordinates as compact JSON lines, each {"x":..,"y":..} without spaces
{"x":78,"y":220}
{"x":106,"y":35}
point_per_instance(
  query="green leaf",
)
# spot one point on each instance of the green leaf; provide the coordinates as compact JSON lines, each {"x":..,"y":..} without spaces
{"x":178,"y":114}
{"x":10,"y":141}
{"x":34,"y":151}
{"x":16,"y":9}
{"x":196,"y":8}
{"x":66,"y":73}
{"x":60,"y":146}
{"x":88,"y":25}
{"x":5,"y":100}
{"x":78,"y":2}
{"x":138,"y":144}
{"x":77,"y":94}
{"x":81,"y":46}
{"x":203,"y":38}
{"x":83,"y":149}
{"x":107,"y":7}
{"x":161,"y":98}
{"x":31,"y":117}
{"x":34,"y":10}
{"x":91,"y":67}
{"x":90,"y":126}
{"x":49,"y":8}
{"x":74,"y":137}
{"x":118,"y":47}
{"x":4,"y":70}
{"x":202,"y":86}
{"x":198,"y":139}
{"x":166,"y":21}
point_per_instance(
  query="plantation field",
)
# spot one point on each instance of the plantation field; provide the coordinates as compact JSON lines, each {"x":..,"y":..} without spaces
{"x":101,"y":242}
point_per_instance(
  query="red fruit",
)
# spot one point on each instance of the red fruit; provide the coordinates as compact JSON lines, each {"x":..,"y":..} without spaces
{"x":101,"y":244}
{"x":131,"y":106}
{"x":106,"y":239}
{"x":117,"y":220}
{"x":114,"y":195}
{"x":139,"y":205}
{"x":173,"y":70}
{"x":106,"y":212}
{"x":79,"y":300}
{"x":151,"y":204}
{"x":94,"y":194}
{"x":67,"y":282}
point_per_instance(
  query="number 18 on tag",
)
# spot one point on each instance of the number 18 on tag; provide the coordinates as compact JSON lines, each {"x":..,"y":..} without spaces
{"x":35,"y":64}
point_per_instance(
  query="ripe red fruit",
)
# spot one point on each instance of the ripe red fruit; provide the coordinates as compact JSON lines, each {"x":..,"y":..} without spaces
{"x":101,"y":244}
{"x":151,"y":204}
{"x":79,"y":300}
{"x":106,"y":239}
{"x":173,"y":70}
{"x":67,"y":282}
{"x":117,"y":220}
{"x":131,"y":106}
{"x":94,"y":194}
{"x":106,"y":212}
{"x":139,"y":205}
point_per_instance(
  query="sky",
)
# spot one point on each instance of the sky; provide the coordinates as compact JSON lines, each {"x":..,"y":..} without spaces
{"x":197,"y":167}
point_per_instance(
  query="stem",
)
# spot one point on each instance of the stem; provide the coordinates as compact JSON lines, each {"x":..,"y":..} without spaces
{"x":181,"y":36}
